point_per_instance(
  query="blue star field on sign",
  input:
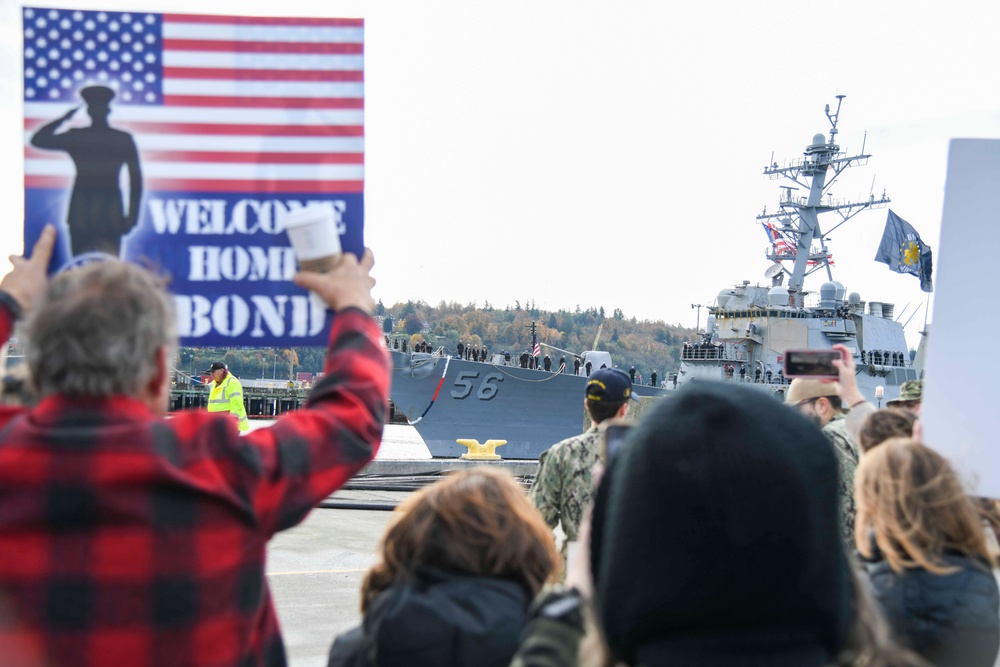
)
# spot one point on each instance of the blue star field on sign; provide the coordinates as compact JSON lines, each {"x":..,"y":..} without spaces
{"x":65,"y":50}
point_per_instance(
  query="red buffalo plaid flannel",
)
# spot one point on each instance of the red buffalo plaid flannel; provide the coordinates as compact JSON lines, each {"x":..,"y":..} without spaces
{"x":127,"y":539}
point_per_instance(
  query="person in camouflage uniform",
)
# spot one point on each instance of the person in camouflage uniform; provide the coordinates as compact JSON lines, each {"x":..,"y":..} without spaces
{"x":819,"y":402}
{"x":858,"y":407}
{"x":564,"y":485}
{"x":911,"y":395}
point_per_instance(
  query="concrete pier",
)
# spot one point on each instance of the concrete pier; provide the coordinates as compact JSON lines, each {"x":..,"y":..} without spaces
{"x":315,"y":572}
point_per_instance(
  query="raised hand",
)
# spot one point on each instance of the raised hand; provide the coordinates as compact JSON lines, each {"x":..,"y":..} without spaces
{"x":27,"y":281}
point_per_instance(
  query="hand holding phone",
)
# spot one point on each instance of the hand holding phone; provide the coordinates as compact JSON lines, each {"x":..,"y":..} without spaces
{"x":814,"y":364}
{"x":614,"y":436}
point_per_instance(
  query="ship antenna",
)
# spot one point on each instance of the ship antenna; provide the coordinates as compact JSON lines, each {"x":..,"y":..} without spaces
{"x":914,"y":313}
{"x":834,"y":116}
{"x":811,"y":173}
{"x":905,"y":308}
{"x":534,"y":337}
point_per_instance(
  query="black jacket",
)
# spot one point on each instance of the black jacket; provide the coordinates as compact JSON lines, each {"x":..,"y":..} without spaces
{"x":439,"y":620}
{"x":951,"y":619}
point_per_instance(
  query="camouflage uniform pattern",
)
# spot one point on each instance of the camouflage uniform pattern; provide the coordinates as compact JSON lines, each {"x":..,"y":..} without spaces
{"x":911,"y":391}
{"x":564,"y":485}
{"x":847,"y":463}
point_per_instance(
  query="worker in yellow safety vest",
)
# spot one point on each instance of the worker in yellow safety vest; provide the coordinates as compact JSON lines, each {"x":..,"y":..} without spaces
{"x":227,"y":395}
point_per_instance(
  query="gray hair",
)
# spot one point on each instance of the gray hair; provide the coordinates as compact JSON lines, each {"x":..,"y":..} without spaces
{"x":97,"y":330}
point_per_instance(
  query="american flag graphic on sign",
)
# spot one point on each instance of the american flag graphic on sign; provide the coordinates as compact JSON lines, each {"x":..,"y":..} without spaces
{"x":190,"y":137}
{"x":220,"y":103}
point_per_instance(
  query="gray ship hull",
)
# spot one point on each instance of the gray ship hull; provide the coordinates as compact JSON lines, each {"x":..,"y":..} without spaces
{"x":530,"y":409}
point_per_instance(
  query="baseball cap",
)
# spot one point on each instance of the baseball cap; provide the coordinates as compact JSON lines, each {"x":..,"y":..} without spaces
{"x":802,"y":389}
{"x":611,"y":385}
{"x":217,"y":366}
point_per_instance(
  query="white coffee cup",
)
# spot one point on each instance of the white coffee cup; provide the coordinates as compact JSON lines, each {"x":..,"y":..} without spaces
{"x":313,"y":233}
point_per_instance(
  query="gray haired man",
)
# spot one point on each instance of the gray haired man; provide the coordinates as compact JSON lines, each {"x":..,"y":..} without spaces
{"x":128,"y":538}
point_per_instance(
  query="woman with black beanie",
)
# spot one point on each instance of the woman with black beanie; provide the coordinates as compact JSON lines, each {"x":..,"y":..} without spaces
{"x":715,"y":543}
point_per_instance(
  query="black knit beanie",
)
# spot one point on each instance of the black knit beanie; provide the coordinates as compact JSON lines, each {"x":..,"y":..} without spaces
{"x":716,"y":537}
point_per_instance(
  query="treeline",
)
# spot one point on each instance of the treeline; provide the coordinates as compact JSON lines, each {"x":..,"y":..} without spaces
{"x":647,"y":345}
{"x":252,"y":363}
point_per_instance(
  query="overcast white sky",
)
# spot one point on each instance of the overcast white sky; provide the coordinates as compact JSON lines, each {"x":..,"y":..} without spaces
{"x":611,"y":154}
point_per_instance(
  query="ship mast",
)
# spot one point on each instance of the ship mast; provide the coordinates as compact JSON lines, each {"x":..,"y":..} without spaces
{"x":798,"y":217}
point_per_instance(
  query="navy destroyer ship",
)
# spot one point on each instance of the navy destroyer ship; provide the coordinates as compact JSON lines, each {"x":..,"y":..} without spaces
{"x":448,"y":398}
{"x":749,"y":328}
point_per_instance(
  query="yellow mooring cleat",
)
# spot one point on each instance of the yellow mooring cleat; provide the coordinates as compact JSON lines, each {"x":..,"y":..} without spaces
{"x":484,"y":452}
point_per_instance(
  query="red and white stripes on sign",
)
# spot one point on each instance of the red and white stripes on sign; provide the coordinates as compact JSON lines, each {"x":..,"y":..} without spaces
{"x":265,"y":105}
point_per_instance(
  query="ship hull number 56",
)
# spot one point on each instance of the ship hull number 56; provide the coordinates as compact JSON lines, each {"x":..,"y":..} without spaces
{"x":468,"y":380}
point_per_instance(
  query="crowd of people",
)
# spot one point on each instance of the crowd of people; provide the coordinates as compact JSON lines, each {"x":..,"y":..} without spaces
{"x":727,"y":530}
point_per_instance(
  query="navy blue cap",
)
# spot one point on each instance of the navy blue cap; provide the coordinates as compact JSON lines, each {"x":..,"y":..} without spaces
{"x":611,"y":385}
{"x":217,"y":366}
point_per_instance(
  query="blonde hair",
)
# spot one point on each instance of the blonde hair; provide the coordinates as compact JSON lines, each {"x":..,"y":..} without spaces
{"x":910,"y":498}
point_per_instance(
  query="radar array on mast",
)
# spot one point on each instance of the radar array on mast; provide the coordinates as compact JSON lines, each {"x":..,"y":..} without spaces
{"x":799,"y":215}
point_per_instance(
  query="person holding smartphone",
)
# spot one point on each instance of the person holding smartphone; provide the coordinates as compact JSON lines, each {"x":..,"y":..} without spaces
{"x":820,"y":402}
{"x":564,"y":485}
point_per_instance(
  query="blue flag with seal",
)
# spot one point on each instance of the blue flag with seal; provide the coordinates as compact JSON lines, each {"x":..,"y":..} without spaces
{"x":904,"y":252}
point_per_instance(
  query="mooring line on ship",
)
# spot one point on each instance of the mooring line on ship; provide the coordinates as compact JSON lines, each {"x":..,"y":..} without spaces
{"x":511,"y":375}
{"x":436,"y":392}
{"x":424,"y":362}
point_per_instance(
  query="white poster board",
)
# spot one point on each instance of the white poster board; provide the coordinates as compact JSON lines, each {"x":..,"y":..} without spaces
{"x":960,"y":392}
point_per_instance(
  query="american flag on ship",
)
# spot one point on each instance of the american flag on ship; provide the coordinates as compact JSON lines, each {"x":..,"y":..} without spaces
{"x":215,"y":103}
{"x":536,"y":350}
{"x":784,"y":247}
{"x":781,"y":244}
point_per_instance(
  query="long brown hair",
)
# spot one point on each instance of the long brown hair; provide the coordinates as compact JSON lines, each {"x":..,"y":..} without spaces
{"x":882,"y":425}
{"x":911,"y":498}
{"x":477,"y":522}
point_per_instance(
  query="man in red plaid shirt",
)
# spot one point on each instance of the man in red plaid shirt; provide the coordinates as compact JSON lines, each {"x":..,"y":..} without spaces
{"x":130,"y":539}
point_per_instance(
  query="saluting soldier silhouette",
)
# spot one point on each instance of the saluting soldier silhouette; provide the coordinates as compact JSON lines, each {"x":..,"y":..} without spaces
{"x":97,"y":218}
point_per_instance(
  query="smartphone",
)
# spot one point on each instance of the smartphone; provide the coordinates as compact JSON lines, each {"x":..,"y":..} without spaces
{"x":614,"y":436}
{"x":815,"y":364}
